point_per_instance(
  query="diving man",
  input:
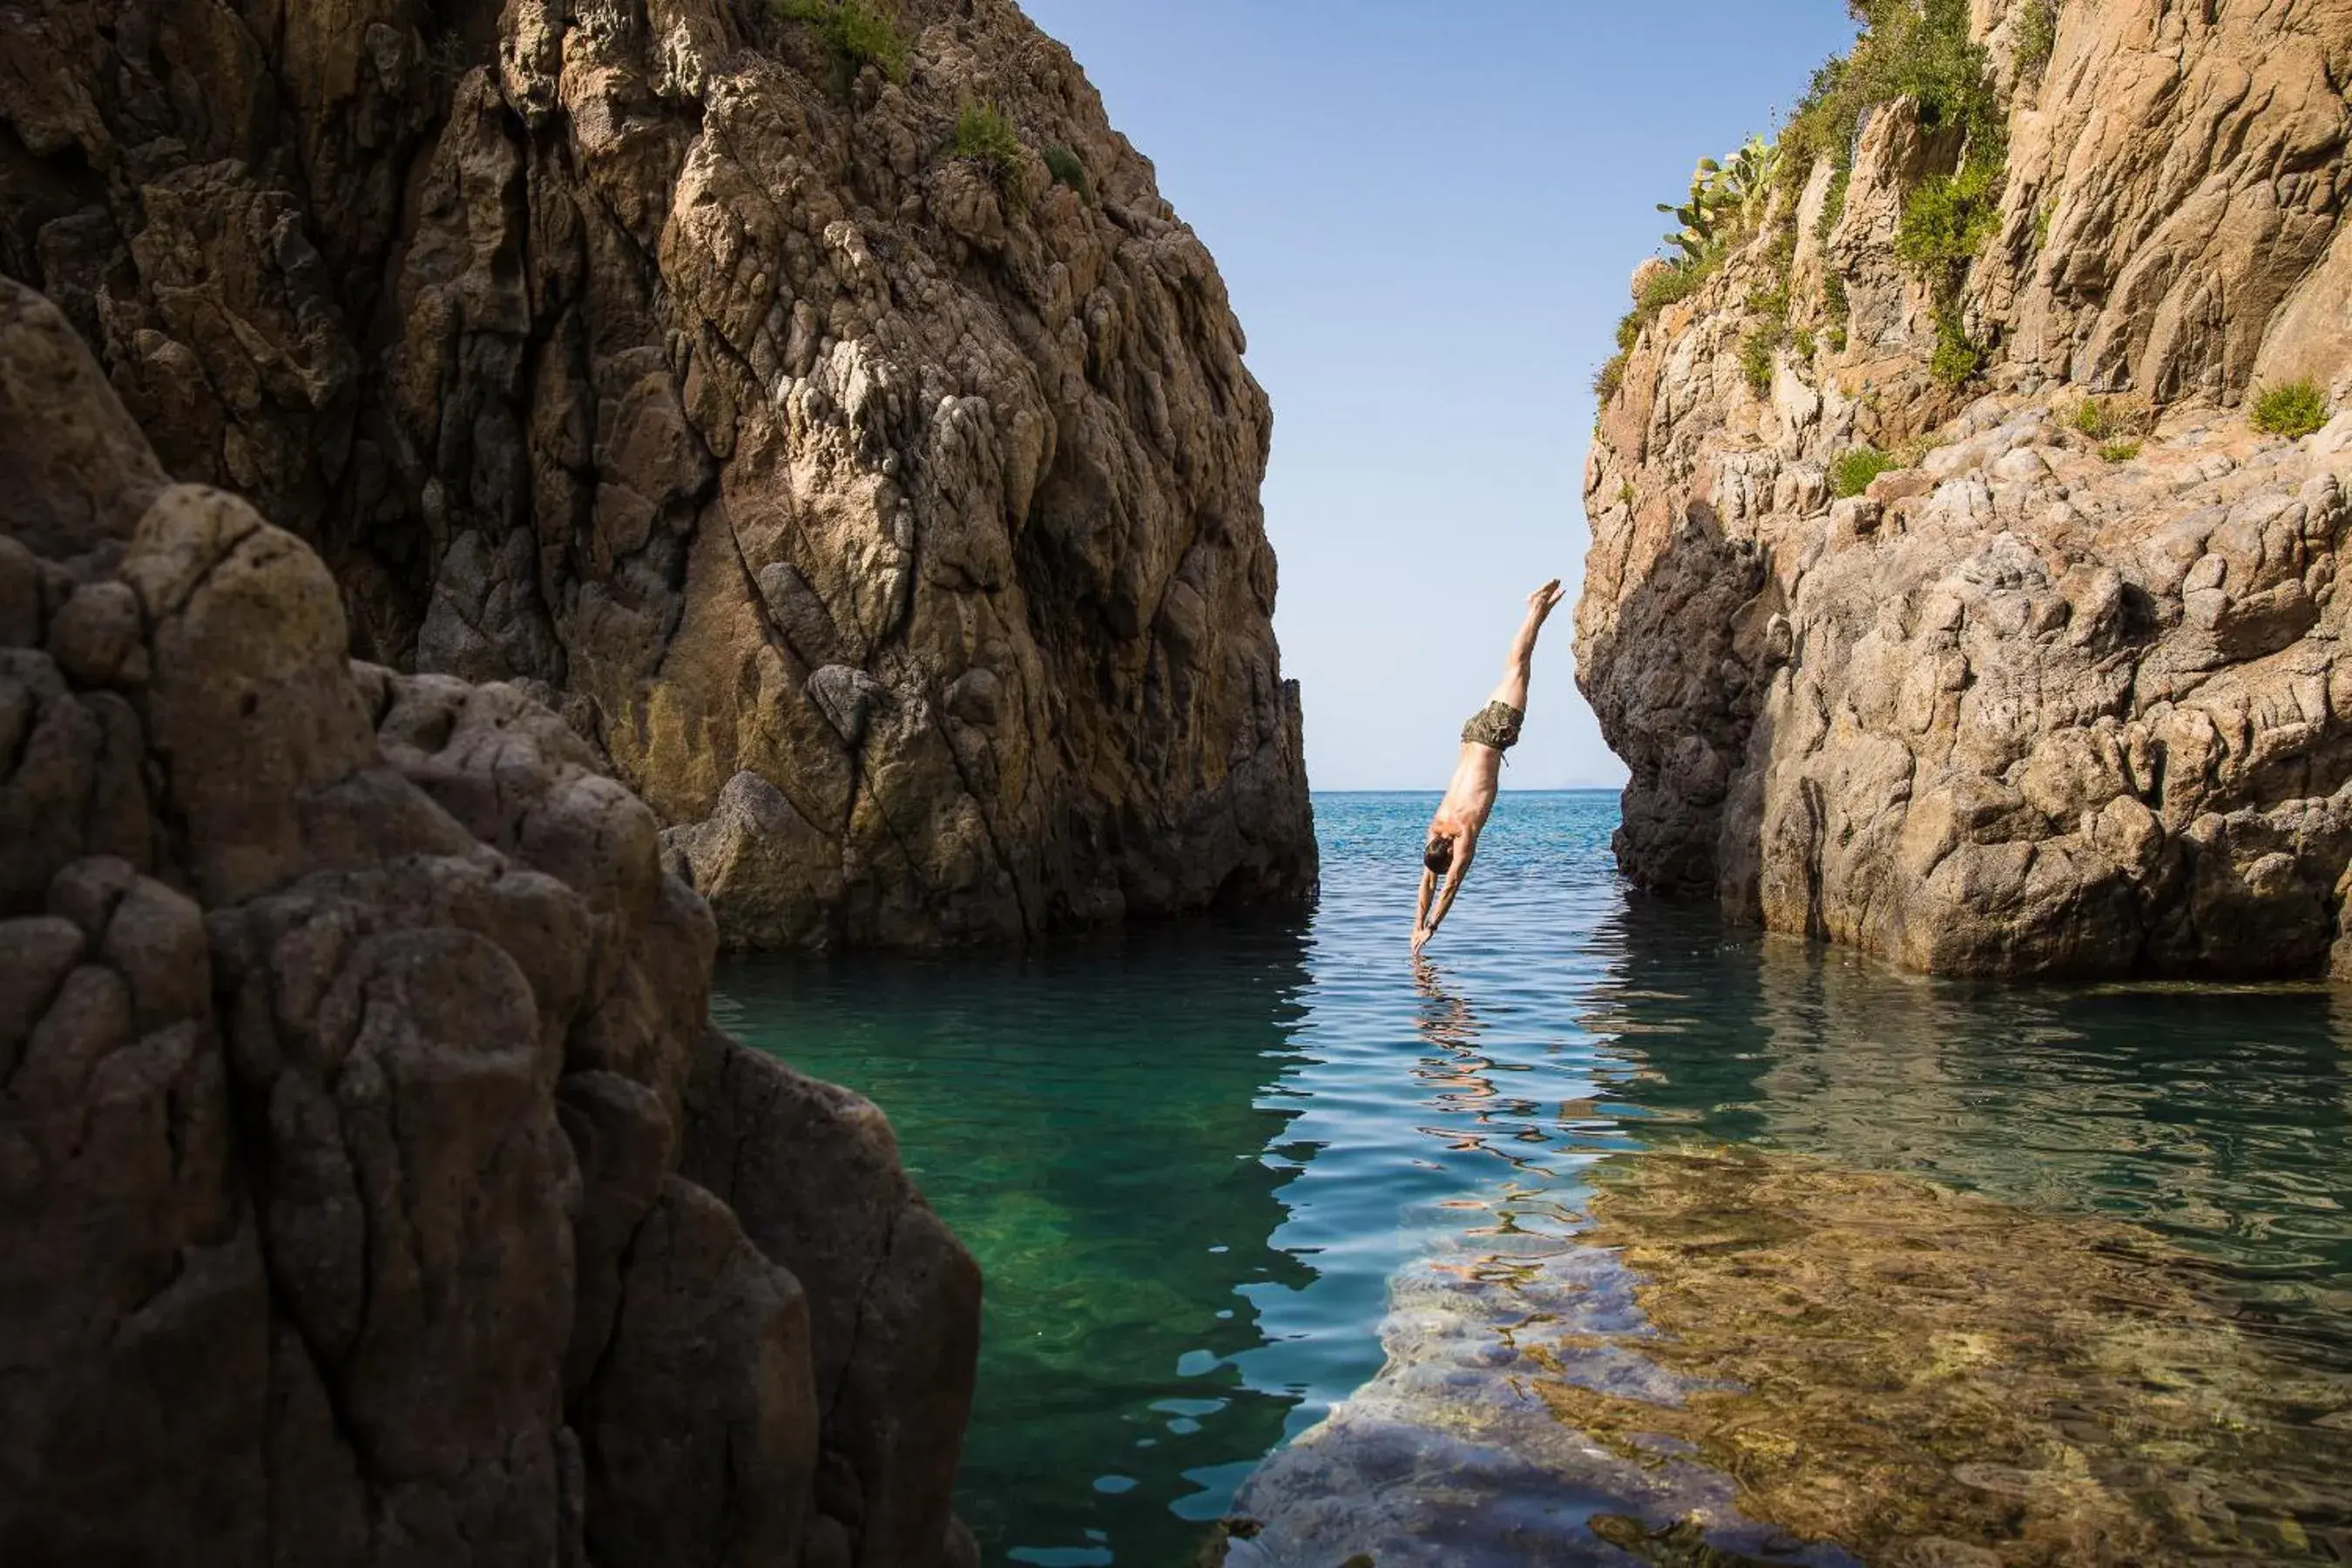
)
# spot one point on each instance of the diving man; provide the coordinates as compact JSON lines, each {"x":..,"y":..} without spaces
{"x":1453,"y":839}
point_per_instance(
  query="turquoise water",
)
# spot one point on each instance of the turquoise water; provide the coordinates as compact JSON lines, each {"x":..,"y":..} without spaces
{"x":1193,"y":1159}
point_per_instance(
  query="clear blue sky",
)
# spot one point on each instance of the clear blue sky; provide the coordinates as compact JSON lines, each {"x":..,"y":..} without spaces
{"x":1427,"y":213}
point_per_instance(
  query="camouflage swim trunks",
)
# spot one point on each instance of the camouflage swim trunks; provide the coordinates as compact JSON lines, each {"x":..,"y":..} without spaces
{"x":1497,"y":725}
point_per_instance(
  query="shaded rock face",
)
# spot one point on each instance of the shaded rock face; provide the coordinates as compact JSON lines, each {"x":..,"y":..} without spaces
{"x":2040,"y":702}
{"x":357,"y":1101}
{"x":888,"y":520}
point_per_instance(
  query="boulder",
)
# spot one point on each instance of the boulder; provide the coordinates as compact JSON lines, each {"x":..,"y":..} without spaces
{"x":353,"y":1039}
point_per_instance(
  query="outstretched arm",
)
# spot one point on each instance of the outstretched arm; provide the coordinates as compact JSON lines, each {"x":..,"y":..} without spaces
{"x":1465,"y":850}
{"x":1421,"y":910}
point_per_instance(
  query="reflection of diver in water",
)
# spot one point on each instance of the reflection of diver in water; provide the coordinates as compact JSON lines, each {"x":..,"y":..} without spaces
{"x":1463,"y":1074}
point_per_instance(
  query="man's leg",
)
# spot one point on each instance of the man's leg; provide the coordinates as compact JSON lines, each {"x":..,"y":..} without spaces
{"x":1512,"y":689}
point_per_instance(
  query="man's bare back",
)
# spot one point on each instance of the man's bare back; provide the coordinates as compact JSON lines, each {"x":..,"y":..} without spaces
{"x":1453,"y":839}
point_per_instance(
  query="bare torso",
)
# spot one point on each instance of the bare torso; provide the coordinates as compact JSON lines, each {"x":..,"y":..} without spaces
{"x":1470,"y":794}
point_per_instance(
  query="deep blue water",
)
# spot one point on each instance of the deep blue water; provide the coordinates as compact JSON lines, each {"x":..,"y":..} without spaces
{"x":1190,"y":1159}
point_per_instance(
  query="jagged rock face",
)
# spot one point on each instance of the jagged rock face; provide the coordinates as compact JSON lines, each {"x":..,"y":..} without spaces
{"x":2019,"y":707}
{"x":888,"y":519}
{"x":356,"y":1083}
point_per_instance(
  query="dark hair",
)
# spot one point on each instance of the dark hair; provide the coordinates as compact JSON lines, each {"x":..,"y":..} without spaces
{"x":1438,"y":853}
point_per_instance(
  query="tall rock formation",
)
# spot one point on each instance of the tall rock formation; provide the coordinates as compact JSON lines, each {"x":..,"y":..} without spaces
{"x":812,"y":400}
{"x":2062,"y":689}
{"x":374,"y":1188}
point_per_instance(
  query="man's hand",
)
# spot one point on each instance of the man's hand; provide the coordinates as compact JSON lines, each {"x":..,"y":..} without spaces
{"x":1421,"y":935}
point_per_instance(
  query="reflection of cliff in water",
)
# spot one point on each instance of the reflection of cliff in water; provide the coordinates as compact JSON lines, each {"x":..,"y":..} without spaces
{"x":2219,"y":1117}
{"x":1116,"y":1200}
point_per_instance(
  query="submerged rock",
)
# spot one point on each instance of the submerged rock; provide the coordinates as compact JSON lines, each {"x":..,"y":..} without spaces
{"x":779,"y":412}
{"x":357,"y":1092}
{"x":2061,"y":692}
{"x":1750,"y":1357}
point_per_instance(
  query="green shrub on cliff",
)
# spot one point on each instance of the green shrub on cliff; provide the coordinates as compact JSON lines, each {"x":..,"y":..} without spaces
{"x":1946,"y":220}
{"x":1759,"y":353}
{"x":986,"y":134}
{"x":856,"y":32}
{"x":2037,"y":36}
{"x":2295,"y":409}
{"x":1671,"y":285}
{"x":1957,"y":356}
{"x":1067,"y":170}
{"x":1914,"y":49}
{"x":1851,"y":474}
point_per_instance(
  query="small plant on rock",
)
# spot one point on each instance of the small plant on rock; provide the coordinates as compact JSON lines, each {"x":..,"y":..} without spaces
{"x":1920,"y":49}
{"x":1834,"y":203}
{"x":2112,"y":418}
{"x":2293,"y":409}
{"x":1758,"y":354}
{"x":1957,"y":356}
{"x":1947,"y":220}
{"x":1610,"y":377}
{"x":856,"y":32}
{"x":1851,"y":474}
{"x":987,"y":136}
{"x":2119,"y":451}
{"x":1067,"y":169}
{"x":2037,"y":36}
{"x":1672,"y":287}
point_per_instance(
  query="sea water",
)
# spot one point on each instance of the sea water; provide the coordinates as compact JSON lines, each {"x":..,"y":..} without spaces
{"x":1197,"y":1162}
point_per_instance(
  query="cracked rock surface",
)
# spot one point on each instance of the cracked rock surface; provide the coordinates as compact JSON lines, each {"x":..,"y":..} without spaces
{"x":356,"y":1090}
{"x":888,"y":520}
{"x":2038,"y":702}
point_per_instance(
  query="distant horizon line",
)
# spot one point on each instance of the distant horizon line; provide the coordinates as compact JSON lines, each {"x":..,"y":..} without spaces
{"x":1440,"y":789}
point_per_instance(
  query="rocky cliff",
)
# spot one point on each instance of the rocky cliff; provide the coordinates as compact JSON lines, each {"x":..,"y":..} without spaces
{"x":1963,"y":579}
{"x":812,"y":400}
{"x":373,"y":1185}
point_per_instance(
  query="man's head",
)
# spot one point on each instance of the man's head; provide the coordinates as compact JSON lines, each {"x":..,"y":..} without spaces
{"x":1438,"y":853}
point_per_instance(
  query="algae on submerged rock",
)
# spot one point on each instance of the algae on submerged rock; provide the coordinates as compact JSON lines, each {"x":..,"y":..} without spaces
{"x":1747,"y":1351}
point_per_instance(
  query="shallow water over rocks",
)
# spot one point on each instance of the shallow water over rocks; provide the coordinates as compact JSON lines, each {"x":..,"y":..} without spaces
{"x":1613,"y":1237}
